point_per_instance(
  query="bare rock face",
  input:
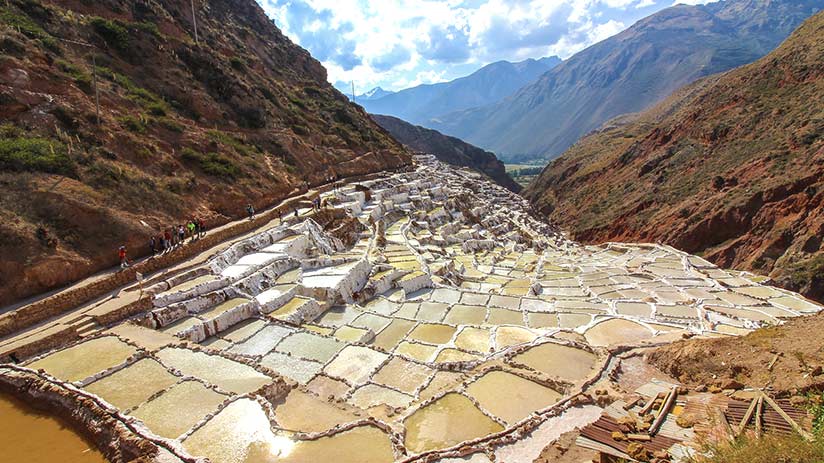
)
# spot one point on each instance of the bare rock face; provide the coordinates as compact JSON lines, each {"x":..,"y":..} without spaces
{"x":186,"y":128}
{"x":731,"y":167}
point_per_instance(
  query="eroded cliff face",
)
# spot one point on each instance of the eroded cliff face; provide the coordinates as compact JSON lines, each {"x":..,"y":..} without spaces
{"x":731,"y":167}
{"x":185,"y":128}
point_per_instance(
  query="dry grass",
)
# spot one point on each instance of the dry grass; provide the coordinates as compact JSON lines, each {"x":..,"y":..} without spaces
{"x":769,"y":449}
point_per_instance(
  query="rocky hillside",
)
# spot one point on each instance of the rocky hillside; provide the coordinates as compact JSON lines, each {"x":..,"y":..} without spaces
{"x":448,"y":149}
{"x":186,"y":128}
{"x":731,"y":168}
{"x":487,"y":85}
{"x":627,"y":73}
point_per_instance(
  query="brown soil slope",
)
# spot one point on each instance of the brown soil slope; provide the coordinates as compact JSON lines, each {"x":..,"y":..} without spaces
{"x":786,"y":358}
{"x":731,"y":168}
{"x":186,"y":129}
{"x":448,"y":149}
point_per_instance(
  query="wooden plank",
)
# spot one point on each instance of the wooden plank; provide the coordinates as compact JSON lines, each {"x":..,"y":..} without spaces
{"x":649,"y":405}
{"x":787,"y":418}
{"x":743,"y":424}
{"x":727,"y":427}
{"x":759,"y":408}
{"x":664,"y":411}
{"x":772,"y":363}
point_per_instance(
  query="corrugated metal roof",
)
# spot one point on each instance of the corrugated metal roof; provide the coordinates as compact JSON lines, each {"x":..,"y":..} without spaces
{"x":771,"y":419}
{"x":671,"y":429}
{"x":599,"y":447}
{"x":601,"y":431}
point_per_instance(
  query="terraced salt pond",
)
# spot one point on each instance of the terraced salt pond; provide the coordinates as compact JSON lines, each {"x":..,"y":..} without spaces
{"x":456,"y":320}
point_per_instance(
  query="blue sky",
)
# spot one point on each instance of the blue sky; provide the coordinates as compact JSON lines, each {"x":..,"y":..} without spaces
{"x":397,"y":44}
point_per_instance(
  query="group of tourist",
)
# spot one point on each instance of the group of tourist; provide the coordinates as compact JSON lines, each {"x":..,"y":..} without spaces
{"x":176,"y":236}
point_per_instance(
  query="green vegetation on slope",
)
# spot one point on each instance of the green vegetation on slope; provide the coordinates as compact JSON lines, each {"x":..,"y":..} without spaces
{"x":20,"y":152}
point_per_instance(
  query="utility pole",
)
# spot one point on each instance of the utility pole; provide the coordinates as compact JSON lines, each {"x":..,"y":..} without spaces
{"x":96,"y":92}
{"x":194,"y":21}
{"x":94,"y":74}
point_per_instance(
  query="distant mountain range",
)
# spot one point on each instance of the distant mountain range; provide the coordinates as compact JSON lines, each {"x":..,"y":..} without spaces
{"x":730,"y":167}
{"x":447,"y":149}
{"x":374,"y":94}
{"x":485,"y":86}
{"x":625,"y":73}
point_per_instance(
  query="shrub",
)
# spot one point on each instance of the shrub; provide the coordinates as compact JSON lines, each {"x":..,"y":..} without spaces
{"x":301,"y":130}
{"x":298,"y":102}
{"x":132,"y":124}
{"x":170,"y":124}
{"x":143,"y":97}
{"x":148,"y":27}
{"x":79,"y":76}
{"x":22,"y":23}
{"x":113,"y":32}
{"x":213,"y":164}
{"x":237,"y":144}
{"x":156,"y":108}
{"x":804,"y":272}
{"x":19,"y":152}
{"x":268,"y":94}
{"x":237,"y":63}
{"x":29,"y":28}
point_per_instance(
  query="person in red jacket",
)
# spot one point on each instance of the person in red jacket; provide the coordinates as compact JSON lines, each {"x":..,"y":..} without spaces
{"x":168,"y":237}
{"x":124,"y":262}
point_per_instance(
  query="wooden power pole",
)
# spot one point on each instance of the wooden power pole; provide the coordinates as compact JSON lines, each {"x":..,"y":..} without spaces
{"x":194,"y":21}
{"x":96,"y":92}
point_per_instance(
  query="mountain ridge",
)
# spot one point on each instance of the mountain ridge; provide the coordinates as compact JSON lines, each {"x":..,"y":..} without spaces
{"x":447,"y":149}
{"x":374,"y":94}
{"x":486,"y":85}
{"x":626,"y":73}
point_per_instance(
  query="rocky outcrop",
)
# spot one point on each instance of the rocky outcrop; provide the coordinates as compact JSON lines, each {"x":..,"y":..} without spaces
{"x":188,"y":126}
{"x":731,"y":168}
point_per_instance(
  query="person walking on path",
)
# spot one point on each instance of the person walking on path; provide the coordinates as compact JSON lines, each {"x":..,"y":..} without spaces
{"x":191,"y":227}
{"x":251,"y":211}
{"x":202,"y":227}
{"x":181,"y":233}
{"x":153,"y":245}
{"x":124,"y":262}
{"x":168,"y":237}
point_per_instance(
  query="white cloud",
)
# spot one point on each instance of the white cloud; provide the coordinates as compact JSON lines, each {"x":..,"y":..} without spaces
{"x":398,"y":43}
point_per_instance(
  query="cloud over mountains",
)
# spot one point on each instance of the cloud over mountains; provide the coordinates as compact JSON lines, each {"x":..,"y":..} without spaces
{"x":402,"y":43}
